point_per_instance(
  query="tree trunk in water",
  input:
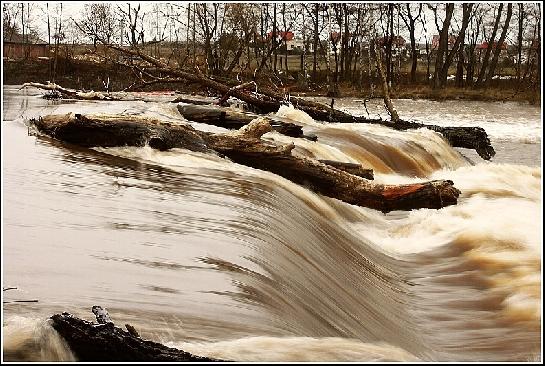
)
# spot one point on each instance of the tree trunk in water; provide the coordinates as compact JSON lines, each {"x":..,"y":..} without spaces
{"x":386,"y":93}
{"x":246,"y":147}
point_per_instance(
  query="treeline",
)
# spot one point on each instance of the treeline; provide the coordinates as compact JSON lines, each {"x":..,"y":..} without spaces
{"x":311,"y":43}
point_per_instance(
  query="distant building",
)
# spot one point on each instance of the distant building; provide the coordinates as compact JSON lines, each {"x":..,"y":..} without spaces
{"x":397,"y":42}
{"x":16,"y":48}
{"x":435,"y":42}
{"x":292,"y":44}
{"x":398,"y":45}
{"x":485,"y":45}
{"x":481,"y":49}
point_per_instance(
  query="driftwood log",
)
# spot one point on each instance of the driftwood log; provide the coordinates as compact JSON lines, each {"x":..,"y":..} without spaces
{"x":232,"y":119}
{"x":246,"y":147}
{"x":69,"y":93}
{"x":104,"y":342}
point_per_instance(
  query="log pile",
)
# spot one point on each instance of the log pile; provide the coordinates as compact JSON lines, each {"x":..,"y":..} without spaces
{"x":246,"y":147}
{"x":104,"y":342}
{"x":269,"y":101}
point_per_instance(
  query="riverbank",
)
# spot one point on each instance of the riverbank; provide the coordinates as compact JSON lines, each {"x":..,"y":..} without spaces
{"x":86,"y":75}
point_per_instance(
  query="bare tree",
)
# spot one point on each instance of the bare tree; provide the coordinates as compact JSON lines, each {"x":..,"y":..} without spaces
{"x":410,"y":21}
{"x":484,"y":64}
{"x":499,"y":45}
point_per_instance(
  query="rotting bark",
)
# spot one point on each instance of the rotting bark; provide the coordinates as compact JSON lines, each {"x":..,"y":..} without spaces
{"x":246,"y":147}
{"x":104,"y":342}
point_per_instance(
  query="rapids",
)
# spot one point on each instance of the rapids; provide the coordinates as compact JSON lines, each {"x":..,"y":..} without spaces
{"x":227,"y":261}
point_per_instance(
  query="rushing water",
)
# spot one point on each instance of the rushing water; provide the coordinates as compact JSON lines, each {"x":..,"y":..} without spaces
{"x":227,"y":261}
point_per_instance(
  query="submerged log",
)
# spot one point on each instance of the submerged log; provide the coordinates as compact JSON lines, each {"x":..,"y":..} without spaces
{"x":233,"y":119}
{"x":104,"y":342}
{"x":246,"y":147}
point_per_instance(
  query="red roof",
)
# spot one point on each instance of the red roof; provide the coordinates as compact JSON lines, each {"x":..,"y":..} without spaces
{"x":484,"y":46}
{"x":285,"y":36}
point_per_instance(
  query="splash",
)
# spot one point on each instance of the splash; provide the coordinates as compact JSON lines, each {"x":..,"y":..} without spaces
{"x":299,"y":349}
{"x":32,"y":339}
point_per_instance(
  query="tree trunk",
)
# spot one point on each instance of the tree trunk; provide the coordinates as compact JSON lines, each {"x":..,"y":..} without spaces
{"x":521,"y":16}
{"x":440,"y":74}
{"x":316,"y":39}
{"x":414,"y":53}
{"x":457,"y":44}
{"x":386,"y":93}
{"x":246,"y":147}
{"x":497,"y":49}
{"x":484,"y":63}
{"x":274,"y":37}
{"x":460,"y":66}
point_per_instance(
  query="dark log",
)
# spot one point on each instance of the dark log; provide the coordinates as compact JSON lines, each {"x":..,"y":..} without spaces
{"x":111,"y":131}
{"x":352,"y":168}
{"x":91,"y":342}
{"x":232,"y":119}
{"x":246,"y":147}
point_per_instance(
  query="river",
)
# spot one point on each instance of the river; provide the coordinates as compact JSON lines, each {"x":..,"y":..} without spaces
{"x":227,"y":261}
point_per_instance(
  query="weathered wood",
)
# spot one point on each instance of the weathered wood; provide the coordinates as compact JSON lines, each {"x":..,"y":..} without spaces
{"x":246,"y":147}
{"x":72,"y":94}
{"x":92,"y":342}
{"x":352,"y":168}
{"x":233,"y":119}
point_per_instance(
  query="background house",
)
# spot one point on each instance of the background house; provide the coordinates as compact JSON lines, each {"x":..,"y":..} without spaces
{"x":17,"y":48}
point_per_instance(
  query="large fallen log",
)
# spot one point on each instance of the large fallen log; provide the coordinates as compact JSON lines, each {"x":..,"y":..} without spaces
{"x":246,"y":147}
{"x":104,"y":342}
{"x":233,"y":119}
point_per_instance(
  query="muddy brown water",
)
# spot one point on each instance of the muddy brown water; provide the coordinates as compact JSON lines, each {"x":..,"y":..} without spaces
{"x":231,"y":262}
